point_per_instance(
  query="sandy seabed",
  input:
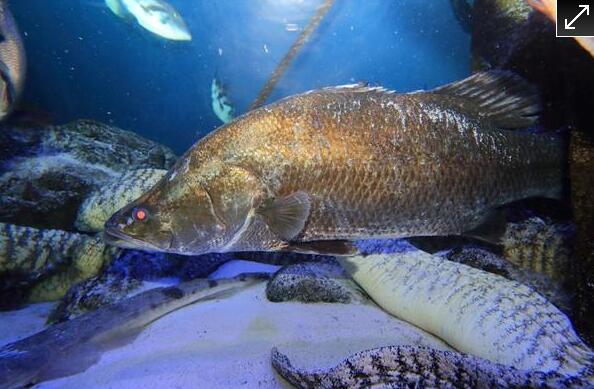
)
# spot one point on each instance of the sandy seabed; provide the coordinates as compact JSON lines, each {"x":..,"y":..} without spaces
{"x":227,"y":343}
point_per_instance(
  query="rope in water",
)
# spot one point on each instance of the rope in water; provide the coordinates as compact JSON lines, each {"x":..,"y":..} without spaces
{"x":292,"y":53}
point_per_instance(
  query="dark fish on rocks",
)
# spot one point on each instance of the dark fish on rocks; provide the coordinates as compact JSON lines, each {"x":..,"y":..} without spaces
{"x":314,"y":171}
{"x":12,"y":61}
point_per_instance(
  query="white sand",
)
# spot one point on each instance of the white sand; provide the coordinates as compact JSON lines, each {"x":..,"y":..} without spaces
{"x":16,"y":325}
{"x":226,"y":343}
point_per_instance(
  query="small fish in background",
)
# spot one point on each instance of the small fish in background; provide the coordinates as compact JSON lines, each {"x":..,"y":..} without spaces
{"x":221,"y":104}
{"x":12,"y":61}
{"x":549,"y":8}
{"x":314,"y":171}
{"x":156,"y":16}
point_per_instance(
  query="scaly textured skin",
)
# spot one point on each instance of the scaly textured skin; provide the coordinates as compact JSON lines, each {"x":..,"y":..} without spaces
{"x":475,"y":312}
{"x":12,"y":55}
{"x":373,"y":163}
{"x":100,"y":205}
{"x":418,"y":367}
{"x":42,"y":255}
{"x":538,"y":246}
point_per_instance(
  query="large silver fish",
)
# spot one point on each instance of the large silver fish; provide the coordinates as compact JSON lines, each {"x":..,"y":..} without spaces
{"x":156,"y":16}
{"x":12,"y":61}
{"x":315,"y":170}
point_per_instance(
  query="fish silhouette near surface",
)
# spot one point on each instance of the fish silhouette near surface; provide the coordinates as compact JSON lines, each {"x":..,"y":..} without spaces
{"x":12,"y":61}
{"x":221,"y":104}
{"x":156,"y":16}
{"x":314,"y":171}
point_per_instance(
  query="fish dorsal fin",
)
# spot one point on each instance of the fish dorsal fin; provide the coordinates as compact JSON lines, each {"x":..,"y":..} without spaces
{"x":286,"y":216}
{"x":360,"y":87}
{"x":503,"y":97}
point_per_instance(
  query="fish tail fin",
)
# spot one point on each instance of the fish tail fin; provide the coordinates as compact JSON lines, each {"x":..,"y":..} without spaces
{"x":502,"y":97}
{"x":116,"y":7}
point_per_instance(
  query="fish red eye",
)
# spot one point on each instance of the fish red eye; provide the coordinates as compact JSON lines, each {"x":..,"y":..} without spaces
{"x":140,"y":214}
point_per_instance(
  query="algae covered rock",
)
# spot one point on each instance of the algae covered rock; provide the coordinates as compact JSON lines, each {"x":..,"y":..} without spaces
{"x":92,"y":294}
{"x":47,"y":173}
{"x":100,"y":144}
{"x":103,"y":203}
{"x":324,"y":282}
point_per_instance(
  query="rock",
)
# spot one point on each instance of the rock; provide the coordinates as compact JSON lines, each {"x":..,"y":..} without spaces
{"x":504,"y":30}
{"x":92,"y":294}
{"x":104,"y":202}
{"x":492,"y":263}
{"x":100,"y":144}
{"x":40,"y":265}
{"x":46,"y":191}
{"x":48,"y":172}
{"x":322,"y":282}
{"x":509,"y":34}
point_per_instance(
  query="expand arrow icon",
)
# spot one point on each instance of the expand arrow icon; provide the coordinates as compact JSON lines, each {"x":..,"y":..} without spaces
{"x":585,"y":8}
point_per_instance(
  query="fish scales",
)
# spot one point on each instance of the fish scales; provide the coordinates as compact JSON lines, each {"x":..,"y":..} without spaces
{"x":358,"y":168}
{"x":349,"y":163}
{"x":12,"y":60}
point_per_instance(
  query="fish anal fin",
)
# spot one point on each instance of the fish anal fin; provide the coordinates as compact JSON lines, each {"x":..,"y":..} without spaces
{"x":502,"y":97}
{"x":286,"y":216}
{"x":323,"y":247}
{"x":490,"y":229}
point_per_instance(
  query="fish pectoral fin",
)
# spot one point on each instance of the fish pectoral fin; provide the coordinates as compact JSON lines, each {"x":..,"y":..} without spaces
{"x":286,"y":216}
{"x":323,"y":247}
{"x":491,"y":228}
{"x":502,"y":97}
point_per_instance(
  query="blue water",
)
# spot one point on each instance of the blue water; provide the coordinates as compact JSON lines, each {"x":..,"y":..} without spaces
{"x":84,"y":62}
